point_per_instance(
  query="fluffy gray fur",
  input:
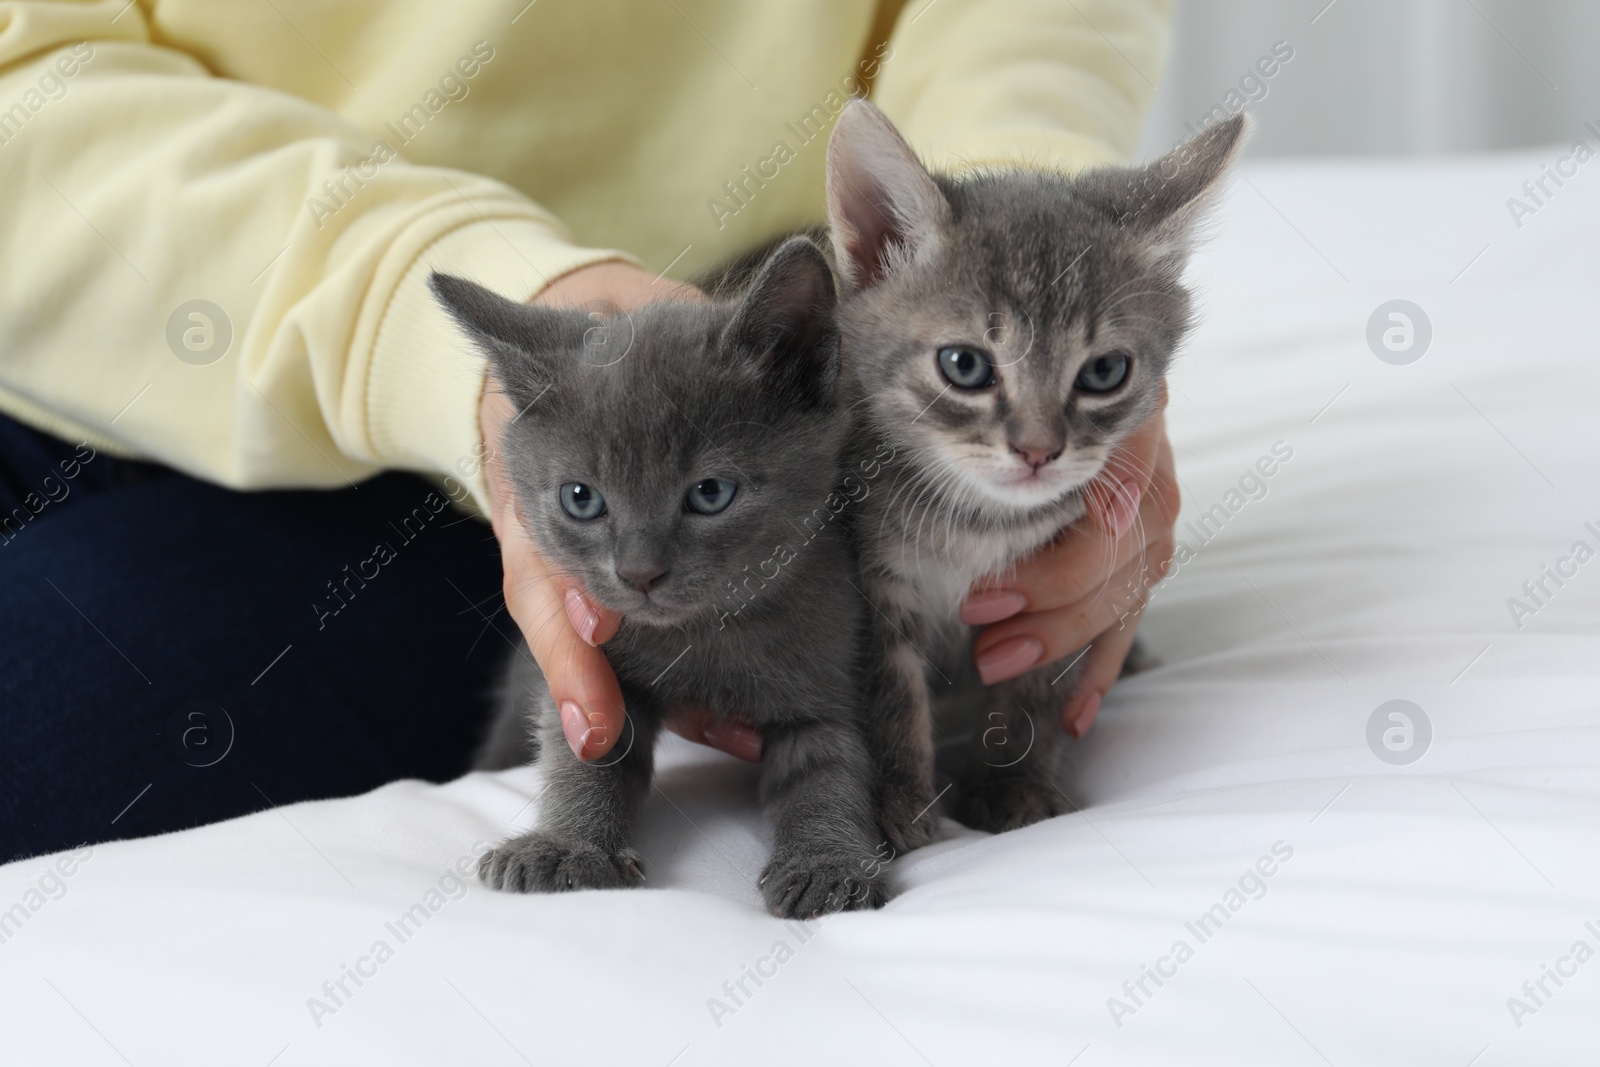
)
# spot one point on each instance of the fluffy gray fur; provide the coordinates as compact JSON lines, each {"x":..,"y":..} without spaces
{"x":1041,"y":273}
{"x":749,"y":610}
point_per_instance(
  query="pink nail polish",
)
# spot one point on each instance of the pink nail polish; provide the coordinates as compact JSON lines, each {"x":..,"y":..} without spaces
{"x":576,"y":726}
{"x":1085,"y":716}
{"x":737,"y":741}
{"x":1124,"y":508}
{"x":581,"y":615}
{"x":1009,"y":658}
{"x":980,"y":609}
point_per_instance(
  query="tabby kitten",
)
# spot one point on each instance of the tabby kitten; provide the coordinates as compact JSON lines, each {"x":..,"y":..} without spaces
{"x":674,"y":460}
{"x":1003,"y":332}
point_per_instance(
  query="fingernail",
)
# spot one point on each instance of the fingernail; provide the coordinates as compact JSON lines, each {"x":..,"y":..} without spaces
{"x":980,"y":609}
{"x":1085,"y":716}
{"x":1009,"y":658}
{"x":1124,"y":507}
{"x":576,"y":726}
{"x":736,"y":740}
{"x":581,"y":615}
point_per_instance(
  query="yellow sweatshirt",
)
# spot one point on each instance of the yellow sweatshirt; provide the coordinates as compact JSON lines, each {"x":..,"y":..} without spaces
{"x":217,"y":216}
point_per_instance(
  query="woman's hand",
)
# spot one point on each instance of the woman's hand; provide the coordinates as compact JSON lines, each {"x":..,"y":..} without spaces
{"x":563,"y":626}
{"x":1089,"y":586}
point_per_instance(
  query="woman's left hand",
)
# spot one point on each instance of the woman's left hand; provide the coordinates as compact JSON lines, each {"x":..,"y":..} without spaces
{"x":1088,"y":586}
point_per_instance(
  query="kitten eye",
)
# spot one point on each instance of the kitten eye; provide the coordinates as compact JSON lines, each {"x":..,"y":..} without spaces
{"x":1103,"y":374}
{"x":711,"y":496}
{"x":582,"y":502}
{"x":966,"y":367}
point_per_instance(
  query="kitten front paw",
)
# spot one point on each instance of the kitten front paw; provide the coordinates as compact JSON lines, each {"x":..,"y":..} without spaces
{"x":997,"y":803}
{"x":800,"y":885}
{"x":545,"y":863}
{"x":909,"y":816}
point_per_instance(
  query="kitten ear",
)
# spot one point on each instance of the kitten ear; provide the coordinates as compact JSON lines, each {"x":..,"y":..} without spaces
{"x":525,"y":343}
{"x":1166,"y":199}
{"x":785,"y":322}
{"x":883,"y":205}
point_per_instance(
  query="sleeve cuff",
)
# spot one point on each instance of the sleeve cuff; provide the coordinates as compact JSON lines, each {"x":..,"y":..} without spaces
{"x":425,"y":379}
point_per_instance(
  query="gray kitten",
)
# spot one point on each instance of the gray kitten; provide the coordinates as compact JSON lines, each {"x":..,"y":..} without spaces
{"x":680,"y":461}
{"x":1003,"y":332}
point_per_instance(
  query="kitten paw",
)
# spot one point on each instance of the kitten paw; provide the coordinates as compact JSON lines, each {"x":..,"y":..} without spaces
{"x":802,"y":886}
{"x":909,"y":817}
{"x":544,"y":863}
{"x":1003,"y":802}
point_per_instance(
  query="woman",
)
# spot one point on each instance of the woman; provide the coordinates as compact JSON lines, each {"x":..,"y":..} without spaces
{"x":218,"y":227}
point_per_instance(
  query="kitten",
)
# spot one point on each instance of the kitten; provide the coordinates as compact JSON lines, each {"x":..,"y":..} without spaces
{"x":675,"y":460}
{"x":1002,"y":332}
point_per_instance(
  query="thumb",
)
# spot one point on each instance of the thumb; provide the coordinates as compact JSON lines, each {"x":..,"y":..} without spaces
{"x":1113,"y":497}
{"x":563,"y":629}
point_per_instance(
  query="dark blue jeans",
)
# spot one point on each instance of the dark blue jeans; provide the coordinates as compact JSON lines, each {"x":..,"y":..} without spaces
{"x":173,"y":653}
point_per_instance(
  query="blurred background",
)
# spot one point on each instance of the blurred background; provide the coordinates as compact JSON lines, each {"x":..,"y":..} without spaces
{"x":1384,"y":77}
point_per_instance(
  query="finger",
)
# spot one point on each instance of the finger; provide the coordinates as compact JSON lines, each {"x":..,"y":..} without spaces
{"x":582,"y":684}
{"x":1103,"y":662}
{"x":562,"y":627}
{"x":734,"y":738}
{"x":1113,"y":496}
{"x":595,"y":623}
{"x":701,"y":725}
{"x":1019,"y":644}
{"x":1076,"y":563}
{"x":1080,"y":563}
{"x":1159,"y":509}
{"x":1101,"y":666}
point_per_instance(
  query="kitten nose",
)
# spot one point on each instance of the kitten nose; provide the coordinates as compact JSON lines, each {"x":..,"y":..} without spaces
{"x":1037,"y":456}
{"x":641,"y":576}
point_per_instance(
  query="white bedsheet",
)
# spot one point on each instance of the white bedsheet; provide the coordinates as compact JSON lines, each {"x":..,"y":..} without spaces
{"x":1406,"y":905}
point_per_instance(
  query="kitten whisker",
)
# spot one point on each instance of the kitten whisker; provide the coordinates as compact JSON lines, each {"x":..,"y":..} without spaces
{"x":1119,"y":319}
{"x":479,"y":605}
{"x":488,"y":622}
{"x":1119,"y":296}
{"x":1108,"y":550}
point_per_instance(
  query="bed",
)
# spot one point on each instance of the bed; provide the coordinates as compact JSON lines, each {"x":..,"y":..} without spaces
{"x":1352,"y":818}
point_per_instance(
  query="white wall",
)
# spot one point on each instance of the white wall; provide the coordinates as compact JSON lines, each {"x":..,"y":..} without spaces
{"x":1388,"y":76}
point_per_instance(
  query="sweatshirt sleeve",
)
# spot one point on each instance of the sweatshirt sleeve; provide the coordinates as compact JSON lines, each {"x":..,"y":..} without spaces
{"x":229,"y":279}
{"x":1055,"y":83}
